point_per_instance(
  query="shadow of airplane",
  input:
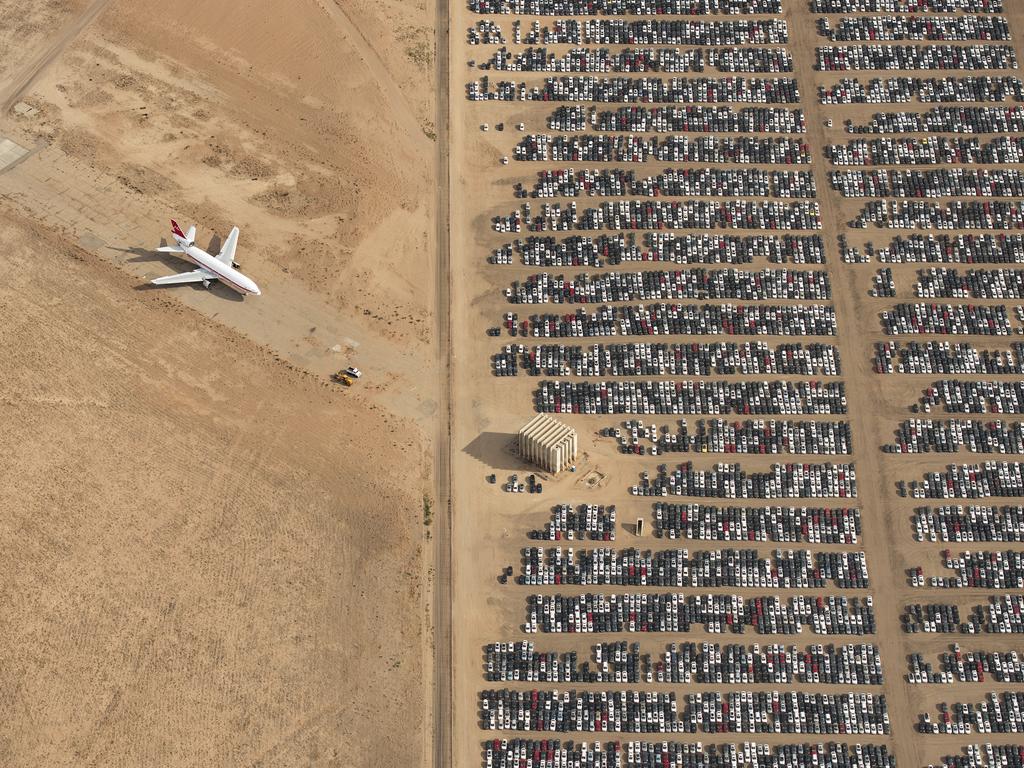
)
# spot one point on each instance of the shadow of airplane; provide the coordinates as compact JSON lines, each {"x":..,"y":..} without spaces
{"x":141,"y":254}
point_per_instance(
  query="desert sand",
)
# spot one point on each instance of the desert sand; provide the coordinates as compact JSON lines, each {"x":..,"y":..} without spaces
{"x":215,"y":556}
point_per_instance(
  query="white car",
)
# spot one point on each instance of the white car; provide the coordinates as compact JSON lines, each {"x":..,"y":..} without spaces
{"x":355,"y":373}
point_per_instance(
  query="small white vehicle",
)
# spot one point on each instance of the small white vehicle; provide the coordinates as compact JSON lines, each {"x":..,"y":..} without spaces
{"x":354,"y":372}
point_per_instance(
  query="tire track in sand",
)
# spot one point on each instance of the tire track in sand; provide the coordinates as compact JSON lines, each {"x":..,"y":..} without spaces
{"x":17,"y":84}
{"x":393,"y":96}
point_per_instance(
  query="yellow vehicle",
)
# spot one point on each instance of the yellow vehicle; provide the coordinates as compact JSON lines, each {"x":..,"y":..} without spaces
{"x":341,"y":378}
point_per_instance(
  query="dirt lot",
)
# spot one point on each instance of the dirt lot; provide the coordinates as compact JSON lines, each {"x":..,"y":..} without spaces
{"x":490,"y":526}
{"x":214,"y":556}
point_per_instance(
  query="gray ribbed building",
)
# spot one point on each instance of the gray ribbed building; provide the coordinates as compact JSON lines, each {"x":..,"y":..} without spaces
{"x":548,"y":443}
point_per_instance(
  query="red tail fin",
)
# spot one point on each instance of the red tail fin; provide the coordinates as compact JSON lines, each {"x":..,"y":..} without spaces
{"x":176,"y":229}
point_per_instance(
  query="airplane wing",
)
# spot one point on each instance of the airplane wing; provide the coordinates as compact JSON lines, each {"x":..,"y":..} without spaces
{"x":227,"y":253}
{"x":195,"y":276}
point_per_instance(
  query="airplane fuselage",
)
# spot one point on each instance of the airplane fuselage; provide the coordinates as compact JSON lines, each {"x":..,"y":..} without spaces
{"x":227,"y":274}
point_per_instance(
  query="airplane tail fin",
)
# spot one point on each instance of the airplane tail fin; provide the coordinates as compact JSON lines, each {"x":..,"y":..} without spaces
{"x":189,"y":237}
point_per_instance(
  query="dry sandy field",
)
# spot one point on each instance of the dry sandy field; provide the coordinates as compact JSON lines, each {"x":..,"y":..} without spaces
{"x":212,"y":554}
{"x":216,"y":556}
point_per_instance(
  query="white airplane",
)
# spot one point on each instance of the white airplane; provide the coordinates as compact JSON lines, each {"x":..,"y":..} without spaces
{"x":220,"y":267}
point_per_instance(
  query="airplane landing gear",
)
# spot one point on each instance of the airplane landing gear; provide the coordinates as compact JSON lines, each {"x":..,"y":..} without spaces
{"x":206,"y":284}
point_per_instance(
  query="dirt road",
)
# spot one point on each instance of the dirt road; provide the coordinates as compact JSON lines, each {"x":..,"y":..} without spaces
{"x":443,"y":713}
{"x":378,"y":70}
{"x":16,"y":85}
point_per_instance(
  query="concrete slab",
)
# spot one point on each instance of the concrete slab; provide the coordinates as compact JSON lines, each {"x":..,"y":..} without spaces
{"x":10,"y":153}
{"x":21,"y":109}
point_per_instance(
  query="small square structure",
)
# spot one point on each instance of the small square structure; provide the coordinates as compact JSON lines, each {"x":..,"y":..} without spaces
{"x":548,"y":443}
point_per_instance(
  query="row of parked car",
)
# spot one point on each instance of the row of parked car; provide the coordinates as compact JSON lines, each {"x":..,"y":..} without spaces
{"x":944,"y":357}
{"x":949,"y":436}
{"x":655,"y":285}
{"x":554,"y":753}
{"x":927,"y":150}
{"x":945,"y":182}
{"x":693,"y":118}
{"x":973,"y":396}
{"x":949,"y":282}
{"x":625,"y":7}
{"x":716,"y":613}
{"x":757,"y":436}
{"x":906,"y":6}
{"x":686,"y":319}
{"x":716,"y":358}
{"x":1003,"y":614}
{"x":647,"y":712}
{"x":690,"y":662}
{"x":731,"y":481}
{"x":971,"y":481}
{"x":633,"y":148}
{"x":840,"y":58}
{"x":946,"y":319}
{"x":927,"y":90}
{"x":687,"y":248}
{"x":594,"y":522}
{"x":943,"y":618}
{"x":951,"y":249}
{"x":676,"y":182}
{"x":614,"y":662}
{"x":961,"y":666}
{"x":736,"y":214}
{"x":969,"y":524}
{"x":669,"y":247}
{"x":639,"y":59}
{"x":956,"y":214}
{"x":986,"y":755}
{"x":814,"y":525}
{"x":626,"y":31}
{"x":783,"y":569}
{"x":706,"y":397}
{"x":643,"y":90}
{"x":987,"y":569}
{"x":935,"y":28}
{"x":1005,"y":118}
{"x":732,"y":663}
{"x":996,"y":713}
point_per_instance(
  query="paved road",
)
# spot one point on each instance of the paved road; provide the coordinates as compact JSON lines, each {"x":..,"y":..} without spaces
{"x":442,"y":688}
